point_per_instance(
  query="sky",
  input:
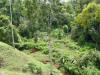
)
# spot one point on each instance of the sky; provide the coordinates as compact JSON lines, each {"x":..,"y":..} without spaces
{"x":60,"y":0}
{"x":64,"y":0}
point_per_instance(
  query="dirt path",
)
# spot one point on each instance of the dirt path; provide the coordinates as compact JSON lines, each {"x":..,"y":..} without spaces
{"x":57,"y":67}
{"x":47,"y":61}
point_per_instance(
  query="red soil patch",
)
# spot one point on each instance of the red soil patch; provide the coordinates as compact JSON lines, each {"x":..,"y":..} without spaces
{"x":33,"y":51}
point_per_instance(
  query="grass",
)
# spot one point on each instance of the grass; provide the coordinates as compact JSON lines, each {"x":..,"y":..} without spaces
{"x":7,"y":72}
{"x":15,"y":61}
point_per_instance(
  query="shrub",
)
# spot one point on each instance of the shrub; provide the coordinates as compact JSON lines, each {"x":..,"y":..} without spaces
{"x":34,"y":68}
{"x":86,"y":65}
{"x":58,"y":33}
{"x":65,"y":28}
{"x":5,"y":31}
{"x":4,"y":21}
{"x":6,"y":35}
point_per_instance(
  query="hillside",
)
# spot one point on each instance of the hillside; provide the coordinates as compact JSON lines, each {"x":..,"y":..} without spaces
{"x":13,"y":61}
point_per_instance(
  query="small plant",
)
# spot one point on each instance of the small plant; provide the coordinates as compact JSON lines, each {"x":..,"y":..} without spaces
{"x":34,"y":69}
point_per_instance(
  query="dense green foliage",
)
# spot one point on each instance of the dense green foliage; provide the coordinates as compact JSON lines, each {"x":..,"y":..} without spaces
{"x":88,"y":23}
{"x":5,"y":30}
{"x":71,"y":29}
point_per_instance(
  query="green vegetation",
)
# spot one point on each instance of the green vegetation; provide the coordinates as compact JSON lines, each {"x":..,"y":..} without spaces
{"x":70,"y":29}
{"x":14,"y":60}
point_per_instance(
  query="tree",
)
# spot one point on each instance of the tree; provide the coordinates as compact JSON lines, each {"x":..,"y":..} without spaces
{"x":90,"y":21}
{"x":5,"y":30}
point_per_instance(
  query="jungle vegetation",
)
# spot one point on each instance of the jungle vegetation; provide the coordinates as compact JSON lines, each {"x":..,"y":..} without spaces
{"x":70,"y":29}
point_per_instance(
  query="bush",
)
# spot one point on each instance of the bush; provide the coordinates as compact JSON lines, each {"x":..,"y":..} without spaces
{"x":86,"y":65}
{"x":24,"y":45}
{"x":6,"y":35}
{"x":65,"y":28}
{"x":58,"y":33}
{"x":5,"y":31}
{"x":31,"y":45}
{"x":34,"y":68}
{"x":4,"y":21}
